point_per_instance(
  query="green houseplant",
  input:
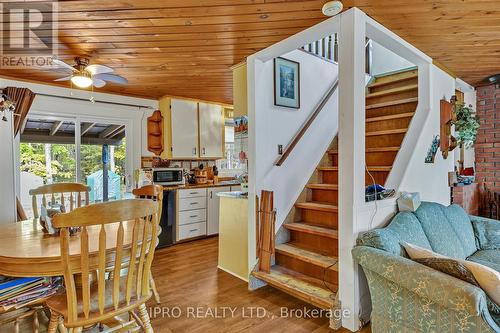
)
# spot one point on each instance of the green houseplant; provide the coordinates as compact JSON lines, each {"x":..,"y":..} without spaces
{"x":466,"y":125}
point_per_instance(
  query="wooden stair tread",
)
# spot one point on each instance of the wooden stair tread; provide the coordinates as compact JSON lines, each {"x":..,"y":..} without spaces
{"x":329,"y":187}
{"x":308,"y":289}
{"x":379,"y":168}
{"x":372,"y":150}
{"x":324,"y":207}
{"x":392,"y":103}
{"x":396,"y":79}
{"x":392,"y":91}
{"x":308,"y":256}
{"x":386,"y":132}
{"x":328,"y":168}
{"x":390,"y":117}
{"x":312,"y":229}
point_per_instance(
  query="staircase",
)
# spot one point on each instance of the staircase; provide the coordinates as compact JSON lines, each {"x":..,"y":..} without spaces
{"x":306,"y":265}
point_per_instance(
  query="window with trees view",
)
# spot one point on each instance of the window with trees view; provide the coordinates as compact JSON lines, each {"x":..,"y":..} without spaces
{"x":49,"y":154}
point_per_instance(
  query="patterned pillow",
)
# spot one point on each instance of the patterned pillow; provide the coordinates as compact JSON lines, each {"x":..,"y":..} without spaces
{"x":487,"y":234}
{"x":450,"y":267}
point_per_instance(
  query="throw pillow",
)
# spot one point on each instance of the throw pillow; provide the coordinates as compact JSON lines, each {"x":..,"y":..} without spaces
{"x":488,"y":278}
{"x":451,"y":267}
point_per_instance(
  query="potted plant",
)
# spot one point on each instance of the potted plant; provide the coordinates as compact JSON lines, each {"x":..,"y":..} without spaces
{"x":466,"y":127}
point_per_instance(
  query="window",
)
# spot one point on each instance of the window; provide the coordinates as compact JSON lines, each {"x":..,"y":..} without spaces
{"x":236,"y":148}
{"x":54,"y":149}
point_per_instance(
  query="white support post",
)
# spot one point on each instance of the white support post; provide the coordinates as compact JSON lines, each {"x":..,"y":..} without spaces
{"x":351,"y":155}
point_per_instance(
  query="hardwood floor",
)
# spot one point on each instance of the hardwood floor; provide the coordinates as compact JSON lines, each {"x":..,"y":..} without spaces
{"x":192,"y":289}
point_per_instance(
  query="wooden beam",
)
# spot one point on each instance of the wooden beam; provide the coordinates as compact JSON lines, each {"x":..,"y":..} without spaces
{"x":109,"y":131}
{"x":117,"y":132}
{"x":86,"y":127}
{"x":65,"y":139}
{"x":55,"y":127}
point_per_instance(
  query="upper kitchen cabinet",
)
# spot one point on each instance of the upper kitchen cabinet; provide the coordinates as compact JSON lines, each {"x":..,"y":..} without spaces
{"x":184,"y":129}
{"x":211,"y":129}
{"x":192,"y":130}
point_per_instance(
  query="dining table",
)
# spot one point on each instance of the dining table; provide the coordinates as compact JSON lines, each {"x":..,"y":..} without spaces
{"x":27,"y":251}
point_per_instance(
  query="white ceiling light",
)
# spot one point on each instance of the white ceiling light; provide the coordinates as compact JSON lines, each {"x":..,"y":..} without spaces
{"x":81,"y":80}
{"x":332,"y":8}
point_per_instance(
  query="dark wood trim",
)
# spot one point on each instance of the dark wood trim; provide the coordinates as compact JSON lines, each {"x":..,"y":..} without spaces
{"x":303,"y":129}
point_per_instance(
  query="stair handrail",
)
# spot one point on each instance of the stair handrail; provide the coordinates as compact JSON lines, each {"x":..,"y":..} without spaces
{"x":303,"y":129}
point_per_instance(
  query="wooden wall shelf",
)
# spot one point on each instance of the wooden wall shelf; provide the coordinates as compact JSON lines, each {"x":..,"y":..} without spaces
{"x":155,"y":133}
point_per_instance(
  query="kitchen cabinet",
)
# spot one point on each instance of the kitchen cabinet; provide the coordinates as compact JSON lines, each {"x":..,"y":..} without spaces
{"x":213,"y":209}
{"x":184,"y":118}
{"x":192,"y":213}
{"x":211,"y":126}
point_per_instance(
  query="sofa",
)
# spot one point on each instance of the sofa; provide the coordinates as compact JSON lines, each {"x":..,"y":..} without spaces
{"x":410,"y":297}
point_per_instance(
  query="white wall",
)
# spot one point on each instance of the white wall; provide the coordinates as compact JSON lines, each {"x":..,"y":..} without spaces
{"x":131,"y":116}
{"x":277,"y":125}
{"x":431,"y":180}
{"x":385,"y":61}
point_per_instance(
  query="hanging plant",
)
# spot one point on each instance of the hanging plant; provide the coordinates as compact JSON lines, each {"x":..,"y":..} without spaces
{"x":6,"y":105}
{"x":466,"y":125}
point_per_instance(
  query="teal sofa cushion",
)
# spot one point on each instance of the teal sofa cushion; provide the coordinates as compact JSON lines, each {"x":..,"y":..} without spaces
{"x":490,"y":258}
{"x":461,"y":223}
{"x":404,"y":228}
{"x":441,"y":235}
{"x":487,"y":233}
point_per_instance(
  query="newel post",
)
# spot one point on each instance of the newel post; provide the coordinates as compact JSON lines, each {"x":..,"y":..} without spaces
{"x":351,"y":154}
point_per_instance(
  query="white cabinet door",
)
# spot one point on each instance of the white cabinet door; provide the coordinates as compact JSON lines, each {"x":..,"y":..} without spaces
{"x":211,"y":125}
{"x":213,"y":209}
{"x":184,"y":129}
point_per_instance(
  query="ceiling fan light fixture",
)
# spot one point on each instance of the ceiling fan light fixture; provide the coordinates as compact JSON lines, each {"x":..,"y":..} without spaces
{"x":81,"y":80}
{"x":332,"y":8}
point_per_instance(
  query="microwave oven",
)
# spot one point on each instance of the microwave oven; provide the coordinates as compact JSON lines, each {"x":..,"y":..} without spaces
{"x":168,"y":176}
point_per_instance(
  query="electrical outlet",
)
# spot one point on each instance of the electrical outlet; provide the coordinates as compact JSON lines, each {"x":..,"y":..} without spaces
{"x":280,"y":149}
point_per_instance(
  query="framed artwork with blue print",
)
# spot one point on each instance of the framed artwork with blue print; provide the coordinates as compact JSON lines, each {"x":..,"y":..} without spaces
{"x":286,"y":83}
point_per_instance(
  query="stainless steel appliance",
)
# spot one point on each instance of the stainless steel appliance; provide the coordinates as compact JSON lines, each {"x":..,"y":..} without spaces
{"x":168,"y":176}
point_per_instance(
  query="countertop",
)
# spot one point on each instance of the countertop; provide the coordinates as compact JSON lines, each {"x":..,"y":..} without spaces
{"x":190,"y":186}
{"x":233,"y":195}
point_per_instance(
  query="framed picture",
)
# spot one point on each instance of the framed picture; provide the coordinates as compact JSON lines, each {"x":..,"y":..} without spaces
{"x":286,"y":83}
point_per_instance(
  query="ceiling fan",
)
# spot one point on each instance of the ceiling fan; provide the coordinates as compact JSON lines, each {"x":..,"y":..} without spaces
{"x":84,"y":75}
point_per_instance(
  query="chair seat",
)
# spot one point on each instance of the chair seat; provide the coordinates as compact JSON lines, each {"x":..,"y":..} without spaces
{"x":490,"y":258}
{"x":58,"y":303}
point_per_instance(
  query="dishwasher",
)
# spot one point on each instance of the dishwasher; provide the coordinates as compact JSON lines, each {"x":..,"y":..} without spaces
{"x":167,"y":220}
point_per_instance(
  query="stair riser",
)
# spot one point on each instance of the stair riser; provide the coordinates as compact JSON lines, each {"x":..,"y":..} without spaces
{"x":334,"y":159}
{"x":393,"y":85}
{"x":391,"y":110}
{"x":391,"y":97}
{"x":380,"y":158}
{"x":388,"y":124}
{"x":386,"y":140}
{"x":306,"y":268}
{"x":330,"y":196}
{"x":321,"y":244}
{"x":327,"y":219}
{"x":376,"y":158}
{"x":330,"y":176}
{"x":379,"y":176}
{"x":400,"y":75}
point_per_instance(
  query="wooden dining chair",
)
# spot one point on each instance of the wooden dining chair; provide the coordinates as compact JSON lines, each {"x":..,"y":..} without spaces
{"x":60,"y":193}
{"x":105,"y":299}
{"x":155,"y":193}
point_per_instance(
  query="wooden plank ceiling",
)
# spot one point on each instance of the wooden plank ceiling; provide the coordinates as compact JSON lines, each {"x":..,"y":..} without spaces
{"x":186,"y":47}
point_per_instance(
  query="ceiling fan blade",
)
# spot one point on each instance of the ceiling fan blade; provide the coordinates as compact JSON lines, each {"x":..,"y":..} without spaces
{"x":61,"y":63}
{"x":112,"y":78}
{"x":98,"y":83}
{"x":67,"y":78}
{"x":98,"y":69}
